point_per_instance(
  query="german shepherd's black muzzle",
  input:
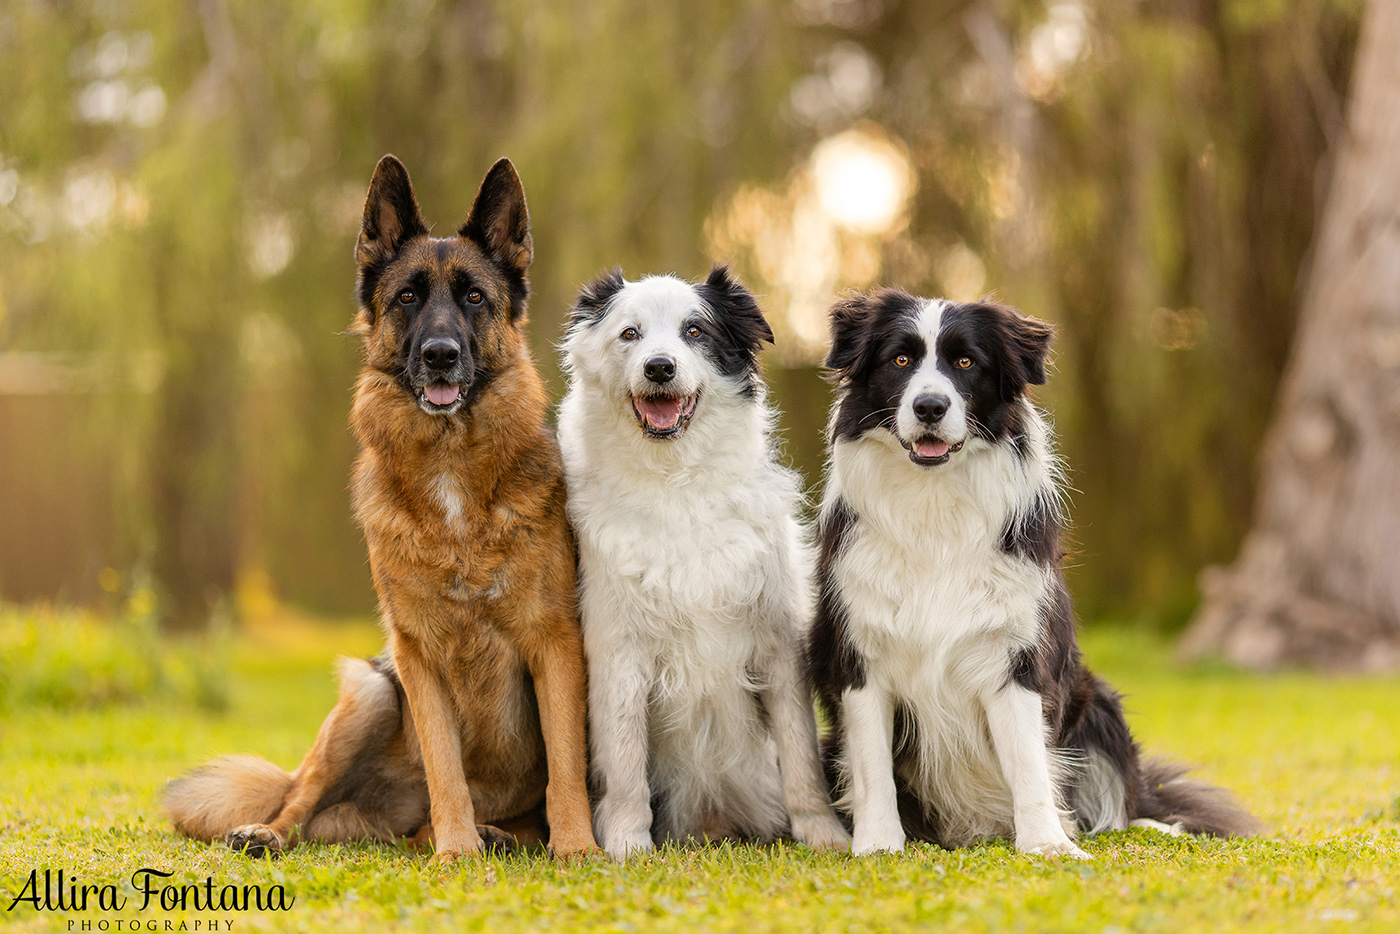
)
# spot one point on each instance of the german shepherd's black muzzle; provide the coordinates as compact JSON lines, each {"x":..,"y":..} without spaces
{"x":441,"y":372}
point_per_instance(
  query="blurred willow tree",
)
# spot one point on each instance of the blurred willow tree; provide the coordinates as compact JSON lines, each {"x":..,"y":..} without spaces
{"x":209,"y":244}
{"x":180,"y":186}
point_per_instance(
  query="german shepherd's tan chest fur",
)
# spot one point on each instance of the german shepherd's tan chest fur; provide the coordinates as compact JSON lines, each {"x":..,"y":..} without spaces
{"x":466,"y":538}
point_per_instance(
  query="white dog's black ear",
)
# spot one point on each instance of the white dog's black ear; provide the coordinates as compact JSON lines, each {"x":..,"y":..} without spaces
{"x":594,"y":298}
{"x":736,"y":310}
{"x":1025,"y":346}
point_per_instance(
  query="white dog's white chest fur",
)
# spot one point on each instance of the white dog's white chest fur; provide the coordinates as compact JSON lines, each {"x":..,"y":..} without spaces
{"x":692,"y":564}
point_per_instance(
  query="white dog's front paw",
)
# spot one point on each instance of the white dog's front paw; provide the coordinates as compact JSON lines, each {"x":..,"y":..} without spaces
{"x":821,"y":830}
{"x":1061,"y":847}
{"x":878,"y":840}
{"x":622,"y":845}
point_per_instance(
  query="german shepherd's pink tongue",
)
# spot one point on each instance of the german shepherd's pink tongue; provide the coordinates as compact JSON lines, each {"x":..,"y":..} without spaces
{"x":442,"y":393}
{"x":930,"y":447}
{"x":659,"y":413}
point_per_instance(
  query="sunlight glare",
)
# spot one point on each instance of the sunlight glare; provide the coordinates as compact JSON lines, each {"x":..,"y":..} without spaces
{"x":863,"y":181}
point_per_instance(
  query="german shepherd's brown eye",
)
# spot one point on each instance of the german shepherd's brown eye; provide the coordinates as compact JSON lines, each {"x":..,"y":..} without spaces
{"x":692,"y":331}
{"x":964,"y":362}
{"x":474,"y":297}
{"x":407,"y":297}
{"x":901,"y":360}
{"x":630,"y":334}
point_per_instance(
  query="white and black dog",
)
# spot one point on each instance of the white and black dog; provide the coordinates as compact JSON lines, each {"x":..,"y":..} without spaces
{"x":695,"y":575}
{"x":944,"y":644}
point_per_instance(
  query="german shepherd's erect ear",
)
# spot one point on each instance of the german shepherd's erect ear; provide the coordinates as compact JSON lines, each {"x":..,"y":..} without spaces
{"x":391,"y":214}
{"x":499,"y":224}
{"x":391,"y":219}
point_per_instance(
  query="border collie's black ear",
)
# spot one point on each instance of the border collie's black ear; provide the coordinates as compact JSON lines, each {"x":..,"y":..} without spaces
{"x":391,"y":215}
{"x":1026,"y":344}
{"x":736,"y":310}
{"x":593,"y":298}
{"x":499,"y":222}
{"x":849,"y":336}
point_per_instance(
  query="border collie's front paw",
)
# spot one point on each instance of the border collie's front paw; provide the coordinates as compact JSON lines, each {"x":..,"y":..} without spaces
{"x":255,"y":840}
{"x":620,"y":846}
{"x":821,"y":830}
{"x":1063,"y":847}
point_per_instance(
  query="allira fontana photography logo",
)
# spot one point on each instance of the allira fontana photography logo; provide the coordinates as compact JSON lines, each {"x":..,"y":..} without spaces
{"x":58,"y":890}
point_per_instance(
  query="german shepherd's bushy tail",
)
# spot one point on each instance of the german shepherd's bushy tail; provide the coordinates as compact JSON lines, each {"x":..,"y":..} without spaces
{"x":1169,"y":796}
{"x":229,"y":792}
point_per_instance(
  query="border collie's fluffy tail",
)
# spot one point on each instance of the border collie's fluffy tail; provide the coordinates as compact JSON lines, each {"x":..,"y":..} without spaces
{"x":229,"y":792}
{"x":1168,"y":796}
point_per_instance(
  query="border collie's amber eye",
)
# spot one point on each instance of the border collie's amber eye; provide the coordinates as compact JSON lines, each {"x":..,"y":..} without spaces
{"x":474,"y":297}
{"x":964,"y":362}
{"x":901,"y":360}
{"x":692,"y":331}
{"x":407,"y":297}
{"x":630,"y":334}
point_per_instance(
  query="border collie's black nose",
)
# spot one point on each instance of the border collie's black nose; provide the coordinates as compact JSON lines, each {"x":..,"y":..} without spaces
{"x":441,"y":353}
{"x":660,"y":369}
{"x":930,"y":409}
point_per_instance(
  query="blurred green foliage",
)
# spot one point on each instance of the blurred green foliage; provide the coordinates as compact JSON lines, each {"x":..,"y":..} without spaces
{"x":66,"y":660}
{"x":180,"y":187}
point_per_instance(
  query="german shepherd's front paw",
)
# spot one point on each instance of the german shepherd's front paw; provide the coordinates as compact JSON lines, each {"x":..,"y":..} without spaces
{"x":255,"y":840}
{"x":489,"y":841}
{"x":570,"y":846}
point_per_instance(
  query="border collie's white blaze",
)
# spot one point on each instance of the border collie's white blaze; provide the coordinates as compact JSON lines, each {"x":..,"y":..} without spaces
{"x":944,"y":645}
{"x":695,"y":575}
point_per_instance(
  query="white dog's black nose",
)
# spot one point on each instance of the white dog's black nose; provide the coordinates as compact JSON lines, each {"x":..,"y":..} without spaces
{"x":930,"y":408}
{"x":440,"y":353}
{"x":660,"y":369}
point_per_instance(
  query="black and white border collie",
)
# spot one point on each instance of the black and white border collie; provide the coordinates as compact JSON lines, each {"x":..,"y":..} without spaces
{"x":695,"y":575}
{"x":944,"y":645}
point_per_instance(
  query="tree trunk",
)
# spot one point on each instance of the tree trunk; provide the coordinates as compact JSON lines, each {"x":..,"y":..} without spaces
{"x":1317,"y":582}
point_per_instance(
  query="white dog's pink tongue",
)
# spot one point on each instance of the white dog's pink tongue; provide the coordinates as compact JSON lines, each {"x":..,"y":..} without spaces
{"x":660,"y":412}
{"x":442,"y":393}
{"x":930,"y":447}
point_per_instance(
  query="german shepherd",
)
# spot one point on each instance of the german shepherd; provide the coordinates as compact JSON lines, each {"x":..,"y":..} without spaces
{"x":475,"y":714}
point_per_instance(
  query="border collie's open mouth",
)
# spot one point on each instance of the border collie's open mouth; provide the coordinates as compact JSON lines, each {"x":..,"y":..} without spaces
{"x":929,"y":451}
{"x":662,"y":416}
{"x":438,"y":398}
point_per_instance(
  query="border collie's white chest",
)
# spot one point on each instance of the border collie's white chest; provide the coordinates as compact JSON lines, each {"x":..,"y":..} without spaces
{"x":936,"y":608}
{"x":922,"y":571}
{"x":924,"y":608}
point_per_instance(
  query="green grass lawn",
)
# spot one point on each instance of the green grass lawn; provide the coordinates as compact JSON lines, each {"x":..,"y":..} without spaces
{"x":1317,"y":758}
